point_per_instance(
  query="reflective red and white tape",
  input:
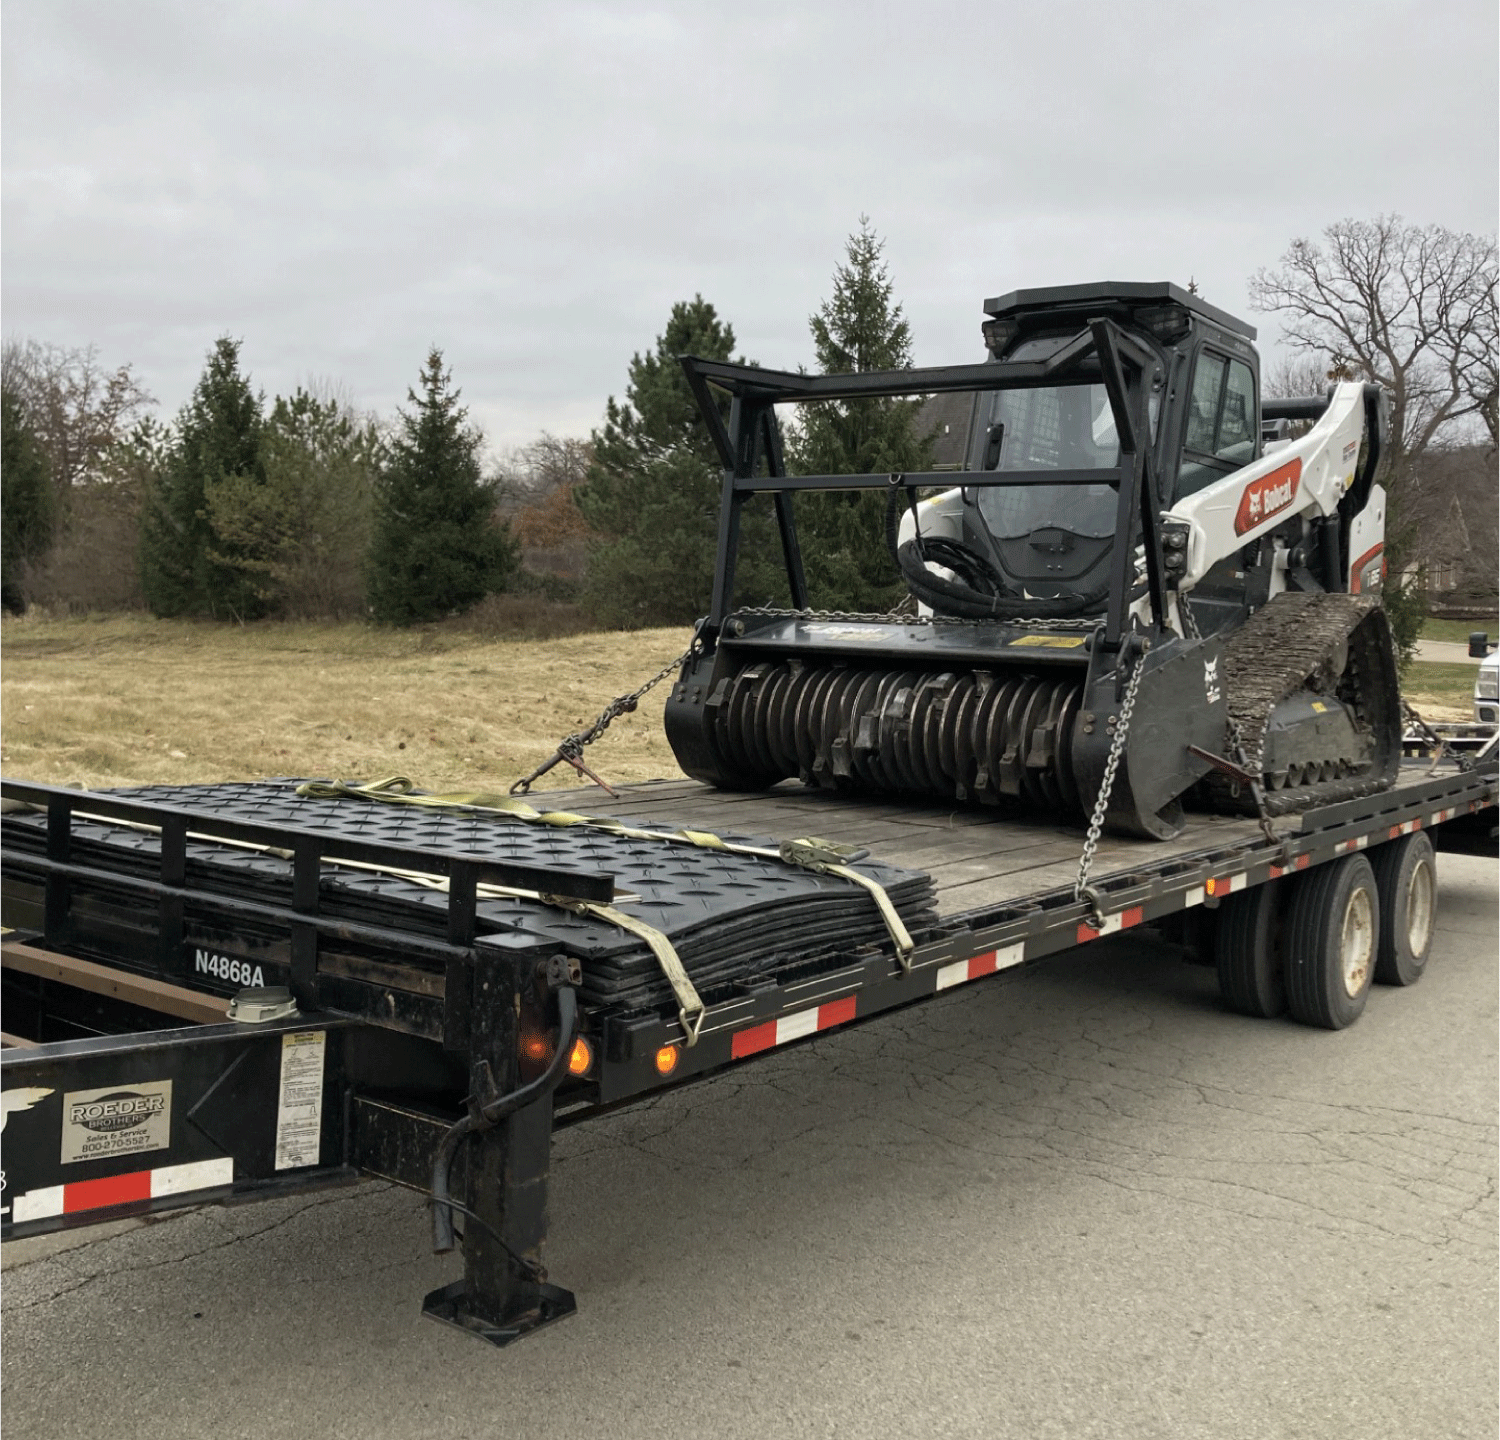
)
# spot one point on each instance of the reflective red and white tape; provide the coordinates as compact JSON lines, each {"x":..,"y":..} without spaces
{"x":1124,"y":920}
{"x":771,"y":1033}
{"x":792,"y":1027}
{"x":981,"y":965}
{"x":111,"y":1190}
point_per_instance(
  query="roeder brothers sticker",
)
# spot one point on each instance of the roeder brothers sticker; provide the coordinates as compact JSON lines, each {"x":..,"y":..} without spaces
{"x":118,"y":1120}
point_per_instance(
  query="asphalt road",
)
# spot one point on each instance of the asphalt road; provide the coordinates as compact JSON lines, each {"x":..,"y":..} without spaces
{"x":1085,"y":1203}
{"x":1445,"y":652}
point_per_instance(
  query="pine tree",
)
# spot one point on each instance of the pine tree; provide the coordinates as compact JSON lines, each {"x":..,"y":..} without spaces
{"x":438,"y":546}
{"x":843,"y":534}
{"x":28,"y":505}
{"x":299,"y":535}
{"x":653,"y":490}
{"x":186,"y":568}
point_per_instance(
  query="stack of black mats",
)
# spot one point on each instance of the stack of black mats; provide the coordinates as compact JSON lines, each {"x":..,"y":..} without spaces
{"x":730,"y":917}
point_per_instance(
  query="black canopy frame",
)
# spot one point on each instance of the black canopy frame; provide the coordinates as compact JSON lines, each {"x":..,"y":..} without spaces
{"x":754,"y":463}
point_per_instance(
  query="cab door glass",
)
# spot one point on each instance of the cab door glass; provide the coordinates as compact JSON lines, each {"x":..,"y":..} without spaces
{"x":1203,"y":407}
{"x":1236,"y":439}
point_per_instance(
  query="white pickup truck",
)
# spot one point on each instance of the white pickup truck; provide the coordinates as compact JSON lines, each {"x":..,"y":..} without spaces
{"x":1487,"y":682}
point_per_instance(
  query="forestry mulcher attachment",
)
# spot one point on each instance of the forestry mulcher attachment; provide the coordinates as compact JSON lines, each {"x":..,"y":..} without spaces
{"x":1137,"y":586}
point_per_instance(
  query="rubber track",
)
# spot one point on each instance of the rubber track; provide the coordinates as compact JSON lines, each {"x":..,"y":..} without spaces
{"x":1276,"y":652}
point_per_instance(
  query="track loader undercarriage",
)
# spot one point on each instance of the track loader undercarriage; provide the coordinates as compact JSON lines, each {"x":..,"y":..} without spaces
{"x":1124,"y":597}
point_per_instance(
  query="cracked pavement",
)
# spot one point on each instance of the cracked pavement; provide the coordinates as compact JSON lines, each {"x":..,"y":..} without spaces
{"x":1082,"y":1201}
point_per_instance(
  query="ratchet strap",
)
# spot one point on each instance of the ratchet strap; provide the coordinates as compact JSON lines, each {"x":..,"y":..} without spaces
{"x":821,"y":856}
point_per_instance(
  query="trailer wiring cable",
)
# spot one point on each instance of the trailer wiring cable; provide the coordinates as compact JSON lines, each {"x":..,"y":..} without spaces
{"x":532,"y":1271}
{"x":485,"y":1115}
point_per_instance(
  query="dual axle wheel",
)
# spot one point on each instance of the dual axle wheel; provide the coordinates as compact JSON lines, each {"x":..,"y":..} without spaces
{"x":1312,"y":944}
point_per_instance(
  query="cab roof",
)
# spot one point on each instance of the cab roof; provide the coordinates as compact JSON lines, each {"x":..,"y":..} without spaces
{"x":1124,"y":295}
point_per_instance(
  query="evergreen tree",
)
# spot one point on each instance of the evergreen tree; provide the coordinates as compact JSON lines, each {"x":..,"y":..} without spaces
{"x":843,"y":534}
{"x":299,"y":535}
{"x":186,"y":569}
{"x":28,"y":506}
{"x":653,"y":490}
{"x":438,"y":546}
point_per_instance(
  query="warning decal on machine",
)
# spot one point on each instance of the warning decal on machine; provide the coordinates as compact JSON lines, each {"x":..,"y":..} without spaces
{"x":117,"y":1120}
{"x":1052,"y":642}
{"x":299,"y":1108}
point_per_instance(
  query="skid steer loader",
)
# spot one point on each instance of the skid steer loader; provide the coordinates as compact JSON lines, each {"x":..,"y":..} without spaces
{"x":1140,"y":591}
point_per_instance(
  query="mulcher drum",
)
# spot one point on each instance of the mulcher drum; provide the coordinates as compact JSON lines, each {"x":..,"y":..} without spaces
{"x":730,"y":917}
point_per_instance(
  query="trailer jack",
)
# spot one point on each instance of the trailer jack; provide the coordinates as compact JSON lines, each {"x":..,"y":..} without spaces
{"x":503,"y":1293}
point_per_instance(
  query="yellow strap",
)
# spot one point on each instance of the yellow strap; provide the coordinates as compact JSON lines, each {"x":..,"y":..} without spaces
{"x":824,"y":857}
{"x":690,"y":1007}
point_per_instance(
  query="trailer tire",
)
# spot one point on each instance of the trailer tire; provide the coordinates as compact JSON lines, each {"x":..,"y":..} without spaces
{"x":1248,"y":952}
{"x":1332,"y":937}
{"x":1406,"y":875}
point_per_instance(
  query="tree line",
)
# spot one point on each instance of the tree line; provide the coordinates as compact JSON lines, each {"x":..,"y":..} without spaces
{"x":302,"y":507}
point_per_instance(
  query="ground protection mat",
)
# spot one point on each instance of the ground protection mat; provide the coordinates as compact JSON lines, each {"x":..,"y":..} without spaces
{"x":730,"y":917}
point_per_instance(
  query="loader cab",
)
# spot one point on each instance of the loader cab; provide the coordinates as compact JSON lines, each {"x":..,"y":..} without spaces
{"x":1202,"y":403}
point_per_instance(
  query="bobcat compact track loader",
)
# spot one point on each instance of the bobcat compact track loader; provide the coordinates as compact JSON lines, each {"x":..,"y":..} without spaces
{"x":1137,"y":576}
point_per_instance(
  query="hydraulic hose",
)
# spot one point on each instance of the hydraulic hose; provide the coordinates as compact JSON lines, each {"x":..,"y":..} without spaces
{"x":486,"y":1117}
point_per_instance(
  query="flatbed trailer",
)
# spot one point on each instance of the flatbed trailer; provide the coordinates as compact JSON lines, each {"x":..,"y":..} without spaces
{"x":151,"y":1063}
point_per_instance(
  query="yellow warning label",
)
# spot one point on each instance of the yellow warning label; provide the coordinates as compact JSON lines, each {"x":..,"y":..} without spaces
{"x":1319,"y":706}
{"x":1052,"y":642}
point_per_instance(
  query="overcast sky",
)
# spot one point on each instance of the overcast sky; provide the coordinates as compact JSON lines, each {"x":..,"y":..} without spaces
{"x":532,"y":186}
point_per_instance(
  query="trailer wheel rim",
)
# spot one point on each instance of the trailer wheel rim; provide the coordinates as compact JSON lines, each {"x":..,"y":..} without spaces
{"x":1419,"y":908}
{"x":1357,"y":942}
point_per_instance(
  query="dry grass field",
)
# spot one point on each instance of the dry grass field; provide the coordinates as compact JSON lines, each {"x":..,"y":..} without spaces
{"x":126,"y":699}
{"x":1440,"y":691}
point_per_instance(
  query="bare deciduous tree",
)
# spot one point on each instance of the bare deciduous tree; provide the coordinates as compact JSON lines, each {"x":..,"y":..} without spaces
{"x":78,"y":410}
{"x":1410,"y":307}
{"x":529,"y":474}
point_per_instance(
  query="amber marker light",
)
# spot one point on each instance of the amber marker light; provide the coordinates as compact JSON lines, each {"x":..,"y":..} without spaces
{"x":1208,"y":885}
{"x":666,"y":1059}
{"x":580,"y":1057}
{"x":536,"y":1047}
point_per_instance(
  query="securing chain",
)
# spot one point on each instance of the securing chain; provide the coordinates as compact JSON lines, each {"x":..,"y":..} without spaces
{"x":570,"y":747}
{"x":1083,"y":892}
{"x":771,"y":612}
{"x":1439,"y":745}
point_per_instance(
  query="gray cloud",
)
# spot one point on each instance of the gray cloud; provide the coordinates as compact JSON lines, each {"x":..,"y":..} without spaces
{"x":532,"y":187}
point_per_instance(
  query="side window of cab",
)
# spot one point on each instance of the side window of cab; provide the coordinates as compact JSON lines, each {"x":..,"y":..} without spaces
{"x":1221,"y":424}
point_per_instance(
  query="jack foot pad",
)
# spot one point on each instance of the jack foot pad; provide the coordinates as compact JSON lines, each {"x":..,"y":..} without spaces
{"x":449,"y":1306}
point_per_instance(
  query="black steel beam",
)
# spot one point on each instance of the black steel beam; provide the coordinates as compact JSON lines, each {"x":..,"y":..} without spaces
{"x":784,"y":386}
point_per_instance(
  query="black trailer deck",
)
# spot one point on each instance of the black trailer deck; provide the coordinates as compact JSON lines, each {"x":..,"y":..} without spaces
{"x":434,"y":1039}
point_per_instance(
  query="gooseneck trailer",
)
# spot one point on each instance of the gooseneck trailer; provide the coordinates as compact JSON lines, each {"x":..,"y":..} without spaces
{"x":226,"y":993}
{"x":1142,"y":678}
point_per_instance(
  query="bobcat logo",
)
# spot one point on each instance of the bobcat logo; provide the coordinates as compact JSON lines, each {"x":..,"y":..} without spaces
{"x":1211,"y":680}
{"x":1268,"y":496}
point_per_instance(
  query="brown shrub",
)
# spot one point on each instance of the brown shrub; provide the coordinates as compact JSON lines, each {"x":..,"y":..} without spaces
{"x":92,"y":567}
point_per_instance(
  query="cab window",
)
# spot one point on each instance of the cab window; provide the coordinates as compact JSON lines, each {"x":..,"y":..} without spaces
{"x":1221,"y":423}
